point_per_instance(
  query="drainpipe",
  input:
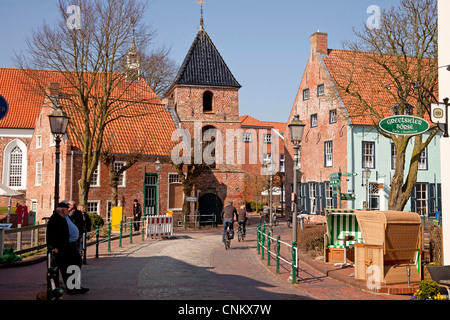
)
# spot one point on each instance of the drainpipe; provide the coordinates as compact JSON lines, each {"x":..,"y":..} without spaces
{"x":353,"y":162}
{"x":71,"y":174}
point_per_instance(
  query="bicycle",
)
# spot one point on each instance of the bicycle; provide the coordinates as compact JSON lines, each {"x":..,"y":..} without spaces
{"x":229,"y":234}
{"x":241,"y":235}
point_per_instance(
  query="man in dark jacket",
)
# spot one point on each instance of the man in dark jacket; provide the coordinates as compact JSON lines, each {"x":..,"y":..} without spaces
{"x":137,"y":214}
{"x":228,"y":214}
{"x":62,"y":235}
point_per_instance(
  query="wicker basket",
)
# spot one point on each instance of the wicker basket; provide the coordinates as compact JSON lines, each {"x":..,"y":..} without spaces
{"x":391,"y":242}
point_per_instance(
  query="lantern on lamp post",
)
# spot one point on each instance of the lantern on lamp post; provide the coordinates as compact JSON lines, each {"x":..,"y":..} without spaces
{"x":296,"y":128}
{"x":58,"y":126}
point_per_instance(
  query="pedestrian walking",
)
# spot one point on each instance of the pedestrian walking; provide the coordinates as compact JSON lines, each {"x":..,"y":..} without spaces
{"x":137,"y":214}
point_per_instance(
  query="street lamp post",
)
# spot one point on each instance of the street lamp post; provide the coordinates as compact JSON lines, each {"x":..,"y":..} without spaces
{"x":366,"y":175}
{"x":270,"y":170}
{"x":58,"y":126}
{"x":296,"y":128}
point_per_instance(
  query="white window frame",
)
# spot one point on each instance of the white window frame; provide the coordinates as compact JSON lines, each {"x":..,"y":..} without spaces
{"x":282,"y":163}
{"x":312,"y":198}
{"x":328,"y":153}
{"x":97,"y":202}
{"x":374,"y":193}
{"x":96,"y":174}
{"x":333,"y":116}
{"x":422,"y":201}
{"x":38,"y":177}
{"x":314,"y":120}
{"x":368,"y":154}
{"x":122,"y":177}
{"x":38,"y":141}
{"x":246,"y":137}
{"x":320,"y":89}
{"x":6,"y":164}
{"x":52,"y":140}
{"x":305,"y":94}
{"x":267,"y":138}
{"x":423,"y":160}
{"x":328,"y":195}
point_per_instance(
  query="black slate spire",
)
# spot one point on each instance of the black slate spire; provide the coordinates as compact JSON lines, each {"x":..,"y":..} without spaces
{"x":203,"y":65}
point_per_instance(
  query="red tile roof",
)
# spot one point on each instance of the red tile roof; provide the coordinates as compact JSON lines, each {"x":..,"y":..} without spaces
{"x":143,"y":123}
{"x":344,"y":65}
{"x":24,"y":105}
{"x":249,"y":121}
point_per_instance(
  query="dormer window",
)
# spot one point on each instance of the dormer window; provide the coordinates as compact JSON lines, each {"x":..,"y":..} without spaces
{"x":207,"y":101}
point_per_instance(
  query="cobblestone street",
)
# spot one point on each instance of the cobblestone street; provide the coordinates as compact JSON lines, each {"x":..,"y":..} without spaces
{"x":192,"y":266}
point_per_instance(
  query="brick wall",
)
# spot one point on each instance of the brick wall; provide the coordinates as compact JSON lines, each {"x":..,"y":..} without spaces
{"x":313,"y":167}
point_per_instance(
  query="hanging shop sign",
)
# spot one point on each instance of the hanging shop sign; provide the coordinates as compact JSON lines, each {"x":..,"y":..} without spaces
{"x":404,"y":125}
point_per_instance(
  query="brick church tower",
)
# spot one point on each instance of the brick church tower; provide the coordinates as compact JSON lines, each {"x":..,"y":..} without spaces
{"x":204,"y":97}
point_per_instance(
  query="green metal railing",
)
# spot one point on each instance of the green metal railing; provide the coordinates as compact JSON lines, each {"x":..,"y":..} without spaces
{"x":263,"y":244}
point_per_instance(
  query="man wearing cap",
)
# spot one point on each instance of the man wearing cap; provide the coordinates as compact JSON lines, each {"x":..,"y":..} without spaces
{"x":62,"y":235}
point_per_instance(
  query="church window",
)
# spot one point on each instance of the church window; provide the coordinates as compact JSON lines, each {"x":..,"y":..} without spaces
{"x":15,"y":165}
{"x":207,"y":101}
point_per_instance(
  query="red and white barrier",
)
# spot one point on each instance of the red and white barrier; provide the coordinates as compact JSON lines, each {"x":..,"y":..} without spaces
{"x":159,"y":226}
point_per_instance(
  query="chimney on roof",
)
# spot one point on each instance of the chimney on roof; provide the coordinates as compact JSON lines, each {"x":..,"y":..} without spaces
{"x":319,"y":43}
{"x":52,"y":89}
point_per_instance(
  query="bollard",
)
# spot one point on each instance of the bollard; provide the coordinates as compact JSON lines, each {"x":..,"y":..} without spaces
{"x":294,"y":262}
{"x":131,"y":230}
{"x":263,"y":242}
{"x":84,"y":246}
{"x":268,"y":248}
{"x":120,"y":234}
{"x":97,"y":232}
{"x":142,"y":228}
{"x":258,"y":238}
{"x":278,"y":255}
{"x":109,"y":237}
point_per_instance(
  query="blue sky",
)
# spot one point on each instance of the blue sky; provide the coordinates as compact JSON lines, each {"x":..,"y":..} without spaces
{"x":265,"y":43}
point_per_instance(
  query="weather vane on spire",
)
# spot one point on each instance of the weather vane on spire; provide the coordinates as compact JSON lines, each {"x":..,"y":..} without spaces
{"x":201,"y":2}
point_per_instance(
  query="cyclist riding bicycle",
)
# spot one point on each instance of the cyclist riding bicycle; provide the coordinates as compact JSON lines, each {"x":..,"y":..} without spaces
{"x":228,"y":214}
{"x":242,"y":217}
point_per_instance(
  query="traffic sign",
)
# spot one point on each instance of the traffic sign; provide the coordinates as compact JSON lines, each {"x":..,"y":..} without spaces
{"x":349,"y":174}
{"x":334,"y":175}
{"x":4,"y":108}
{"x":347,"y":196}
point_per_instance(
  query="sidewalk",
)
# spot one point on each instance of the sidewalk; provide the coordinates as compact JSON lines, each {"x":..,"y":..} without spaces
{"x":316,"y":278}
{"x":344,"y":275}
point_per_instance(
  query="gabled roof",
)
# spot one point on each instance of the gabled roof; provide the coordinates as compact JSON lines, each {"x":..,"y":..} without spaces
{"x":143,"y":122}
{"x":354,"y":69}
{"x":203,"y":65}
{"x":24,"y":106}
{"x":249,"y":121}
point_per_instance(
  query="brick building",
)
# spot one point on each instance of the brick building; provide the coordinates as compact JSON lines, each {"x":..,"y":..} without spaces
{"x":204,"y":97}
{"x":28,"y":149}
{"x":263,"y":141}
{"x":339,"y":137}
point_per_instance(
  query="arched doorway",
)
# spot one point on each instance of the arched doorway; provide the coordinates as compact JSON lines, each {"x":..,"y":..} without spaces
{"x":209,"y":204}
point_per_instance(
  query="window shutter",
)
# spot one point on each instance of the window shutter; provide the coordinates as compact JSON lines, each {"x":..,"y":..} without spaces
{"x":431,"y":198}
{"x":323,"y":198}
{"x":413,"y":199}
{"x":438,"y":196}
